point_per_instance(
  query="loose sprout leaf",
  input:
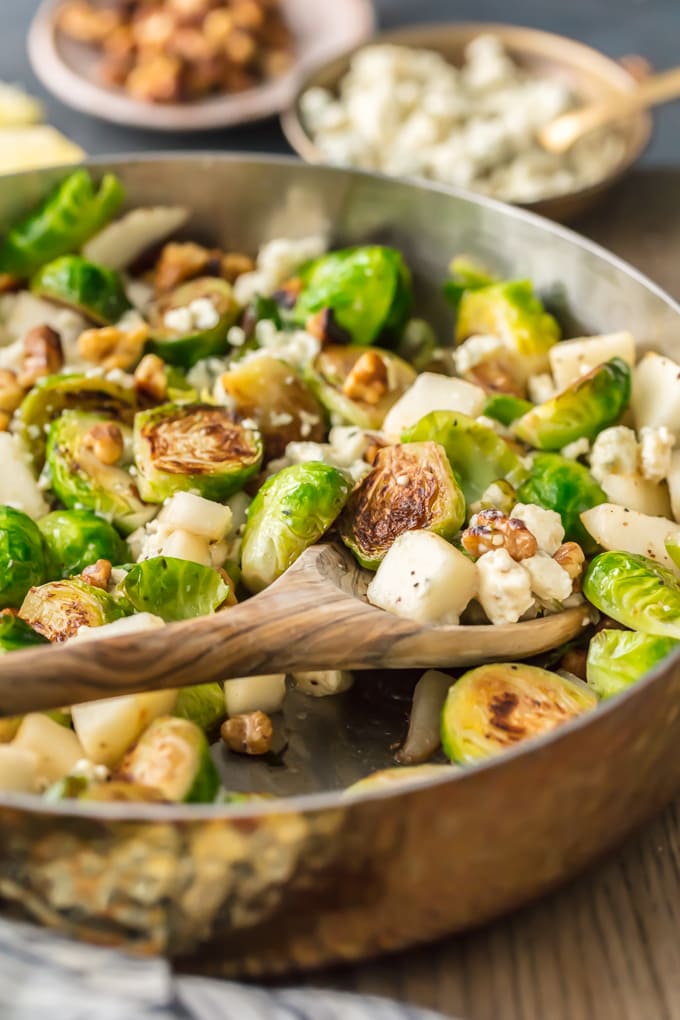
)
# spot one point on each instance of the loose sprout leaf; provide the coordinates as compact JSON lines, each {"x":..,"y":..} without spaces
{"x":174,"y":589}
{"x":24,"y":560}
{"x":619,"y":658}
{"x":15,"y":634}
{"x":563,"y":485}
{"x":59,"y":609}
{"x":92,"y":290}
{"x":78,"y":538}
{"x":635,"y":591}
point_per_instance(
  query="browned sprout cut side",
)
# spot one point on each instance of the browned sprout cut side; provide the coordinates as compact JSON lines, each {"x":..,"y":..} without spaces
{"x":359,"y":385}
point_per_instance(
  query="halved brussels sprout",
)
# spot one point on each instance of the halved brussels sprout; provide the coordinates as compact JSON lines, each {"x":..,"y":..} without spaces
{"x":512,"y":312}
{"x":368,"y":290}
{"x":185,"y":348}
{"x":81,"y":480}
{"x":173,"y":757}
{"x":635,"y":591}
{"x":196,"y":447}
{"x":588,"y":406}
{"x":494,"y":707}
{"x":466,"y":274}
{"x":619,"y":658}
{"x":174,"y":589}
{"x":78,"y":538}
{"x":73,"y":213}
{"x":56,"y":393}
{"x":563,"y":485}
{"x":292,"y":510}
{"x":476,"y":453}
{"x":15,"y":634}
{"x":506,"y":408}
{"x":202,"y":704}
{"x":24,"y":560}
{"x":92,"y":290}
{"x":59,"y":609}
{"x":410,"y":488}
{"x":359,"y":395}
{"x":270,"y":392}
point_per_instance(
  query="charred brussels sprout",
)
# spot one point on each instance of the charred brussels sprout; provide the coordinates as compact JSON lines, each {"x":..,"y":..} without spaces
{"x":410,"y":488}
{"x":476,"y":453}
{"x":359,"y":384}
{"x":73,"y":213}
{"x":505,"y":408}
{"x":78,"y":538}
{"x":292,"y":510}
{"x":492,"y":708}
{"x":635,"y":591}
{"x":196,"y":447}
{"x":367,"y":289}
{"x":270,"y":392}
{"x":81,"y":479}
{"x":563,"y":485}
{"x":93,"y":290}
{"x":590,"y":404}
{"x":619,"y":658}
{"x":15,"y":634}
{"x":174,"y":589}
{"x":24,"y":559}
{"x":184,"y":347}
{"x":203,"y":705}
{"x":58,"y":609}
{"x":173,"y":757}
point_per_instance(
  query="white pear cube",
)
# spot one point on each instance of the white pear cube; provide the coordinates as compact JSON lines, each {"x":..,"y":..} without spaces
{"x":319,"y":683}
{"x":656,"y":393}
{"x":107,"y":728}
{"x":55,"y":747}
{"x":637,"y":493}
{"x":121,"y":243}
{"x":18,"y":486}
{"x":255,"y":693}
{"x":185,"y":545}
{"x":18,"y":769}
{"x":570,"y":359}
{"x":197,"y":515}
{"x":432,"y":392}
{"x":620,"y":529}
{"x":136,"y":624}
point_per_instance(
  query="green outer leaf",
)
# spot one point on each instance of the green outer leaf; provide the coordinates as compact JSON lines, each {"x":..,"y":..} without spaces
{"x":202,"y":704}
{"x":67,"y":218}
{"x":58,"y":609}
{"x":619,"y":658}
{"x":557,"y":483}
{"x":24,"y":558}
{"x":582,"y":410}
{"x":173,"y":757}
{"x":174,"y":589}
{"x":466,"y":274}
{"x":291,"y":511}
{"x":78,"y":538}
{"x":505,"y":408}
{"x":95,"y":291}
{"x":635,"y":591}
{"x":15,"y":634}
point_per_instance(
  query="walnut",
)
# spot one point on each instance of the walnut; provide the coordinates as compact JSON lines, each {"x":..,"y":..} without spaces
{"x":179,"y":262}
{"x":574,"y":661}
{"x":153,"y":28}
{"x":5,"y":421}
{"x":368,"y":379}
{"x":42,"y":355}
{"x":324,"y":327}
{"x":106,"y":442}
{"x":492,"y":529}
{"x":218,"y":25}
{"x":571,"y":558}
{"x":248,"y":14}
{"x":234,"y":264}
{"x":11,"y":392}
{"x":191,"y":45}
{"x":240,"y":47}
{"x":250,"y":733}
{"x":85,"y":22}
{"x":151,"y":378}
{"x":113,"y":347}
{"x":156,"y":79}
{"x":98,"y":574}
{"x":492,"y":376}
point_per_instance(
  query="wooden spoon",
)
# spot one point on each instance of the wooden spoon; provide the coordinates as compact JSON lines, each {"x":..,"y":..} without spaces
{"x":560,"y":134}
{"x":314,"y":617}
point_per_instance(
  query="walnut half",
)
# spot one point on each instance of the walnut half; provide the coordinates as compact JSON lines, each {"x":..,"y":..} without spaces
{"x":250,"y":733}
{"x":492,"y":529}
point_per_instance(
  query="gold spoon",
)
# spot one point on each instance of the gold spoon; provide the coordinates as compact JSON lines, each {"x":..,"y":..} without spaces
{"x":313,"y":617}
{"x":560,"y":134}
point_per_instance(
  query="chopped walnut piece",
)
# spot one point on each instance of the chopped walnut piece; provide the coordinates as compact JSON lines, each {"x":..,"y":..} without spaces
{"x":288,"y":293}
{"x":5,"y":421}
{"x":179,"y":262}
{"x":8,"y":611}
{"x":106,"y":442}
{"x":368,"y":379}
{"x":571,"y":558}
{"x":250,"y":733}
{"x":8,"y":283}
{"x":323,"y":326}
{"x":42,"y":355}
{"x":492,"y":376}
{"x":235,"y":264}
{"x":574,"y":661}
{"x":156,"y":79}
{"x":151,"y":378}
{"x":85,"y":22}
{"x":113,"y":347}
{"x":98,"y":574}
{"x":492,"y":529}
{"x":11,"y":392}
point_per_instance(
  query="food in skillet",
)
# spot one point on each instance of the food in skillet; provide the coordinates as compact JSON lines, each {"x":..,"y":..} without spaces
{"x":174,"y":438}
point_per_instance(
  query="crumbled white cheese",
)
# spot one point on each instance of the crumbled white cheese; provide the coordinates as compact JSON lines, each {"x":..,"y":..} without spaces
{"x":200,"y":314}
{"x":504,"y":587}
{"x":545,"y":525}
{"x":541,"y":387}
{"x":206,"y":374}
{"x":277,"y":261}
{"x":615,"y":451}
{"x":18,"y":486}
{"x":549,"y":581}
{"x":579,"y":448}
{"x":236,"y":336}
{"x":297,"y":347}
{"x":90,"y":771}
{"x":656,"y":447}
{"x":474,"y":350}
{"x":345,"y":449}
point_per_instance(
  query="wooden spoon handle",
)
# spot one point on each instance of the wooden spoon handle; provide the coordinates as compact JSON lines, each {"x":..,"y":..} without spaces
{"x":564,"y":131}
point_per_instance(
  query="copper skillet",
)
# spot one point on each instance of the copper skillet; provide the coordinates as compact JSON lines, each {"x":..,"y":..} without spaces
{"x":316,"y":878}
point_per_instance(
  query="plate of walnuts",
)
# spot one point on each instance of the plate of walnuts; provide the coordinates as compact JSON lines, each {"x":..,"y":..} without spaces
{"x":187,"y":65}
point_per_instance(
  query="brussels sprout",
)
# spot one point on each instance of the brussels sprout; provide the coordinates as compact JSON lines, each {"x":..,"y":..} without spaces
{"x":410,"y":488}
{"x":506,"y":408}
{"x":476,"y":453}
{"x":56,"y":393}
{"x":185,"y":348}
{"x":67,"y":788}
{"x":672,"y":544}
{"x":173,"y":757}
{"x":174,"y":589}
{"x":72,"y":214}
{"x":367,"y":289}
{"x":196,"y":447}
{"x":619,"y":658}
{"x":499,"y":495}
{"x":203,"y":705}
{"x":24,"y":558}
{"x":15,"y":634}
{"x":292,"y":510}
{"x":77,"y":538}
{"x":590,"y":404}
{"x":270,"y":392}
{"x":494,"y":707}
{"x":563,"y":485}
{"x":81,"y":480}
{"x":92,"y":290}
{"x":512,"y":312}
{"x":466,"y":274}
{"x":331,"y":379}
{"x":399,"y":775}
{"x":635,"y":591}
{"x":59,"y":609}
